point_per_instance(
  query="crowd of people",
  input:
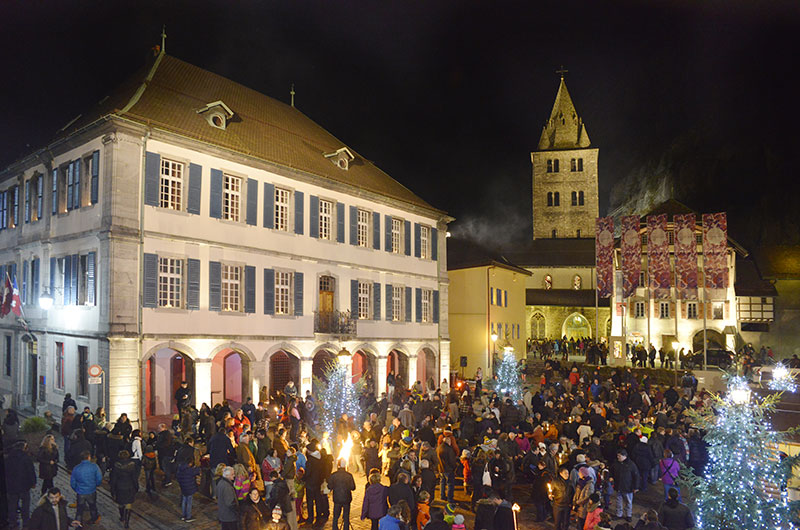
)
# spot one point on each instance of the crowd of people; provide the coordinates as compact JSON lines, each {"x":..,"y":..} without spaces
{"x":577,"y":447}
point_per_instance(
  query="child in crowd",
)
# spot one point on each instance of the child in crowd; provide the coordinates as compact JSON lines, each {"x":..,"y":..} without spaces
{"x":423,"y":509}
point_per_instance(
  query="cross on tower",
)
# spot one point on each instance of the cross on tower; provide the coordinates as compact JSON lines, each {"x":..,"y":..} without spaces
{"x":561,"y":71}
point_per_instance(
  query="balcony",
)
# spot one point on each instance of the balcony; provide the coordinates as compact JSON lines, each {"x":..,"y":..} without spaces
{"x":335,"y":323}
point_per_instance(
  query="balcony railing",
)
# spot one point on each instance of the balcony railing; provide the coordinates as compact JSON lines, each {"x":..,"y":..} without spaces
{"x":334,"y":322}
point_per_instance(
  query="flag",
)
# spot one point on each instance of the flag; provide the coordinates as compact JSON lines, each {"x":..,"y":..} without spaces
{"x":16,"y":301}
{"x":658,"y":268}
{"x":631,"y":247}
{"x":604,"y":255}
{"x":5,"y":299}
{"x":715,"y":250}
{"x":685,"y":256}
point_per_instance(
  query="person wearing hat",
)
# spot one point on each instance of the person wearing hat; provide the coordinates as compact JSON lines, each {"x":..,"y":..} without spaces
{"x":277,"y":522}
{"x":341,"y":483}
{"x":625,"y":478}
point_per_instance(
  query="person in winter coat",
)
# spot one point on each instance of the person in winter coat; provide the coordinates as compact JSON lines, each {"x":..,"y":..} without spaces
{"x":393,"y":520}
{"x":448,"y":462}
{"x":84,"y":480}
{"x":149,"y":465}
{"x":78,"y":445}
{"x":674,"y":514}
{"x":625,"y":478}
{"x":52,"y":505}
{"x":19,"y":480}
{"x":642,"y":456}
{"x":187,"y":476}
{"x":401,"y":490}
{"x":254,"y":512}
{"x":583,"y":492}
{"x":561,"y":497}
{"x":227,"y":507}
{"x":541,"y":477}
{"x":375,"y":506}
{"x":593,"y":513}
{"x":668,"y":470}
{"x":124,"y":485}
{"x":220,"y":449}
{"x":342,"y":485}
{"x":48,"y":462}
{"x":314,"y":478}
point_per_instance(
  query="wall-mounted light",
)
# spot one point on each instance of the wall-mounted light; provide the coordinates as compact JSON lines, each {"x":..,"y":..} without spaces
{"x":46,"y":300}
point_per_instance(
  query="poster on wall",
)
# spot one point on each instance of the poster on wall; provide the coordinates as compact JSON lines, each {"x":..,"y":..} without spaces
{"x":631,"y":248}
{"x":658,"y":268}
{"x":604,"y":255}
{"x":685,"y":256}
{"x":715,"y":254}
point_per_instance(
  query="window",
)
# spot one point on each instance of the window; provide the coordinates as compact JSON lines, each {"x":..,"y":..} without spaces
{"x":639,"y":310}
{"x":573,"y":165}
{"x":325,"y":219}
{"x":28,"y":201}
{"x":364,"y":298}
{"x":171,"y":185}
{"x":424,"y":242}
{"x":7,"y":356}
{"x":83,"y":371}
{"x":549,"y":198}
{"x":578,"y":233}
{"x":556,"y":199}
{"x":231,"y":198}
{"x":363,"y":228}
{"x":427,"y":305}
{"x":170,"y":282}
{"x":580,"y":164}
{"x":60,"y":365}
{"x":38,"y":192}
{"x":491,"y":296}
{"x":717,"y":311}
{"x":398,"y":311}
{"x":231,"y":288}
{"x":756,"y":309}
{"x":549,"y":166}
{"x":555,"y":166}
{"x":282,"y":204}
{"x":397,"y":235}
{"x":554,"y":234}
{"x":13,"y":206}
{"x":671,"y":237}
{"x":691,"y":310}
{"x":3,"y":209}
{"x":644,"y":239}
{"x":580,"y":198}
{"x":642,"y":279}
{"x":55,"y":191}
{"x":663,"y":310}
{"x":574,"y":198}
{"x":283,"y":293}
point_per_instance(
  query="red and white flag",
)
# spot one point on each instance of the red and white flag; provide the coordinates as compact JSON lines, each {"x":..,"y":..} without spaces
{"x":6,"y":296}
{"x":16,"y":301}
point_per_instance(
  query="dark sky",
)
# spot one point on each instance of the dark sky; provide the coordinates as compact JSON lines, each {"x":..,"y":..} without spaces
{"x":447,"y":97}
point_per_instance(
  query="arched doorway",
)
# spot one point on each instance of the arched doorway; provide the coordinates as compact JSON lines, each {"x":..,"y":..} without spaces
{"x":163,"y":372}
{"x":397,"y":364}
{"x":364,"y":369}
{"x":427,"y":369}
{"x":320,"y":364}
{"x":576,"y":327}
{"x":538,"y":331}
{"x":228,"y":378}
{"x":715,"y":340}
{"x":283,"y":367}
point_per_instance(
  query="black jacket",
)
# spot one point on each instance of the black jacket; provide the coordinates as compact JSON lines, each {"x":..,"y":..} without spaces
{"x":44,"y":517}
{"x":314,"y":473}
{"x":342,"y":485}
{"x":563,"y":492}
{"x":398,"y":491}
{"x":20,"y":475}
{"x":124,"y":482}
{"x":675,"y":516}
{"x":625,"y":475}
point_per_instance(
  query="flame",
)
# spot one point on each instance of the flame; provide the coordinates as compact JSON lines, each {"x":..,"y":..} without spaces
{"x":344,"y":452}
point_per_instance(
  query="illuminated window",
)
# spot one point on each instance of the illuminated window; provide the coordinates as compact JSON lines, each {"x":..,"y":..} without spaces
{"x":717,"y":310}
{"x":171,"y":185}
{"x":364,"y":298}
{"x":283,"y":293}
{"x":397,"y":302}
{"x":397,"y":235}
{"x":231,"y":288}
{"x":170,"y":282}
{"x":427,"y":305}
{"x":231,"y":198}
{"x":363,"y":228}
{"x":325,"y":219}
{"x":282,"y":198}
{"x":424,"y":242}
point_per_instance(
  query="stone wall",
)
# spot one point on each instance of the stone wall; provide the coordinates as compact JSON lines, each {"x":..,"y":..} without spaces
{"x":555,"y":317}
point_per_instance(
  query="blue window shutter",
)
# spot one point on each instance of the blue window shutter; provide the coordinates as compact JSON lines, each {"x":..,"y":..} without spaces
{"x":36,"y":268}
{"x":269,"y":208}
{"x":416,"y":240}
{"x":53,"y":267}
{"x":251,"y":217}
{"x":353,"y":225}
{"x":249,"y":289}
{"x":95,"y":176}
{"x":376,"y":301}
{"x":376,"y":230}
{"x":418,"y":303}
{"x":389,"y":306}
{"x":69,"y":186}
{"x":152,"y":174}
{"x":195,"y":188}
{"x":299,"y":203}
{"x":150,"y":274}
{"x":215,"y":195}
{"x":54,"y":182}
{"x":90,"y":278}
{"x":354,"y":298}
{"x":491,"y":295}
{"x":340,"y":222}
{"x":74,"y":280}
{"x":434,"y":244}
{"x":40,"y":197}
{"x":407,"y":232}
{"x":387,"y":228}
{"x":269,"y":292}
{"x":193,"y":284}
{"x":313,"y":216}
{"x":505,"y":298}
{"x":214,"y":286}
{"x":76,"y":184}
{"x":28,"y":201}
{"x":24,"y":293}
{"x":435,"y":307}
{"x":408,"y":304}
{"x":298,"y":294}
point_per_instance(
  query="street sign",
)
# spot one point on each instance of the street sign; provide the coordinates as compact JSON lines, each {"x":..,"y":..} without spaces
{"x":95,"y":370}
{"x":95,"y":380}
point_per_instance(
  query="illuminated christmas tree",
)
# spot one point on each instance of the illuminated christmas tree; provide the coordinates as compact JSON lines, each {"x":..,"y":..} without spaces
{"x":782,"y":379}
{"x":509,"y":378}
{"x":336,"y":394}
{"x":744,"y":486}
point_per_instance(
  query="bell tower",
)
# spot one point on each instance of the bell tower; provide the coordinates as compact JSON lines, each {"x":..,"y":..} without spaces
{"x":565,"y":195}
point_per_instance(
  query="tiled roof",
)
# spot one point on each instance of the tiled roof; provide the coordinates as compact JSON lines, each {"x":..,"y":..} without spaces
{"x":749,"y":281}
{"x":553,"y":253}
{"x":167,"y":96}
{"x":564,"y":298}
{"x":465,"y":254}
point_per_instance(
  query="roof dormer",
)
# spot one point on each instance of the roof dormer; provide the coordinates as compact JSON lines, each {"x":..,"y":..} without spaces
{"x":341,"y":158}
{"x":217,"y":114}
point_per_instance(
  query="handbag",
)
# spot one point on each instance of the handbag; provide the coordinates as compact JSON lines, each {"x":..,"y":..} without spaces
{"x":487,"y":477}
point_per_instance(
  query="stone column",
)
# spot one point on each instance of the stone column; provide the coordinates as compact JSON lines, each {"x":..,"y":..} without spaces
{"x":124,"y":379}
{"x":258,"y":377}
{"x":202,"y":382}
{"x":306,"y":365}
{"x":444,"y":360}
{"x":380,"y":377}
{"x":412,"y":370}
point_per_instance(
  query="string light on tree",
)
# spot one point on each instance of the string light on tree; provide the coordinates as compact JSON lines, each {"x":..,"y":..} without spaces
{"x":782,"y":379}
{"x":509,"y":380}
{"x":743,"y":485}
{"x":336,"y":392}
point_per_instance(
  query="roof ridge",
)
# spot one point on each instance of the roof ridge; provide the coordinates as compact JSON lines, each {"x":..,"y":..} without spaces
{"x":139,"y":91}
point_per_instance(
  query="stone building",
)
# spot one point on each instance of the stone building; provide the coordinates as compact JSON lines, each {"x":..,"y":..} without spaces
{"x":191,"y":228}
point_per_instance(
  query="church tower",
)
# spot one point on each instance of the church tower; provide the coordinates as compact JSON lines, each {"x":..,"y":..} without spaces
{"x":565,"y":195}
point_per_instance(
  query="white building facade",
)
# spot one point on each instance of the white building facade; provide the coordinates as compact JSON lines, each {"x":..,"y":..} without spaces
{"x":215,"y":236}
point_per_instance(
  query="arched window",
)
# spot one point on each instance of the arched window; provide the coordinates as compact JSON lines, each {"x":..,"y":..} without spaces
{"x":574,"y":198}
{"x":578,"y":233}
{"x":549,"y":198}
{"x":555,"y":166}
{"x":573,"y":165}
{"x":538,"y":330}
{"x":580,"y":198}
{"x":549,"y":166}
{"x":580,"y":164}
{"x":554,"y":233}
{"x":556,"y":199}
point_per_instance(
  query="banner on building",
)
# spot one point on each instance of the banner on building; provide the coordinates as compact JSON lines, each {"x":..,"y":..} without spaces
{"x":604,"y":255}
{"x":658,"y":268}
{"x":685,"y":256}
{"x":715,"y":252}
{"x":631,"y":247}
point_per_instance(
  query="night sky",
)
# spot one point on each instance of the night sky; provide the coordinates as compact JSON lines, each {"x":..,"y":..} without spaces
{"x":450,"y":97}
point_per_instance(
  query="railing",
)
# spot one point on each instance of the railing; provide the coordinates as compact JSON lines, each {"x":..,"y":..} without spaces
{"x":334,"y":322}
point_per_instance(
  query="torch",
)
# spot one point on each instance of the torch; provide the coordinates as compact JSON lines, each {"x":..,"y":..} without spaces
{"x":514,"y":509}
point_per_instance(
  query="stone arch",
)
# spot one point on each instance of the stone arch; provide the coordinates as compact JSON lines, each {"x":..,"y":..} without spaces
{"x":607,"y":328}
{"x":161,"y":369}
{"x":577,"y":326}
{"x":397,"y":363}
{"x":428,"y":367}
{"x":284,"y":347}
{"x":244,"y":351}
{"x":283,"y":365}
{"x":715,"y":338}
{"x":329,"y":347}
{"x":172,"y":345}
{"x":365,"y":366}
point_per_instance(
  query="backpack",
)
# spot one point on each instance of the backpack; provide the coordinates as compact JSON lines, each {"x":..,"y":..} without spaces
{"x":148,"y":458}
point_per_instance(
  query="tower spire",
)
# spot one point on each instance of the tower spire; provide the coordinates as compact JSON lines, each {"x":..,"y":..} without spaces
{"x":164,"y":38}
{"x":291,"y":93}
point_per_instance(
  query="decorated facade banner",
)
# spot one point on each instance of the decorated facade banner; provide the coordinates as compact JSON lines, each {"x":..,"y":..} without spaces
{"x":631,"y":246}
{"x":658,"y":268}
{"x":604,"y":256}
{"x":715,"y":250}
{"x":685,"y":256}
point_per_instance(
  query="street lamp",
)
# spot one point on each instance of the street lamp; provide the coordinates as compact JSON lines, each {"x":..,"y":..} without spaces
{"x":46,"y":300}
{"x":344,"y":356}
{"x":493,"y":336}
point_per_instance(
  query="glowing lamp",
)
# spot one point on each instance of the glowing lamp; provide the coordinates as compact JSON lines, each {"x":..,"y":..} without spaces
{"x":676,"y":345}
{"x":494,"y":337}
{"x":46,"y":300}
{"x":739,"y":391}
{"x":344,"y":356}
